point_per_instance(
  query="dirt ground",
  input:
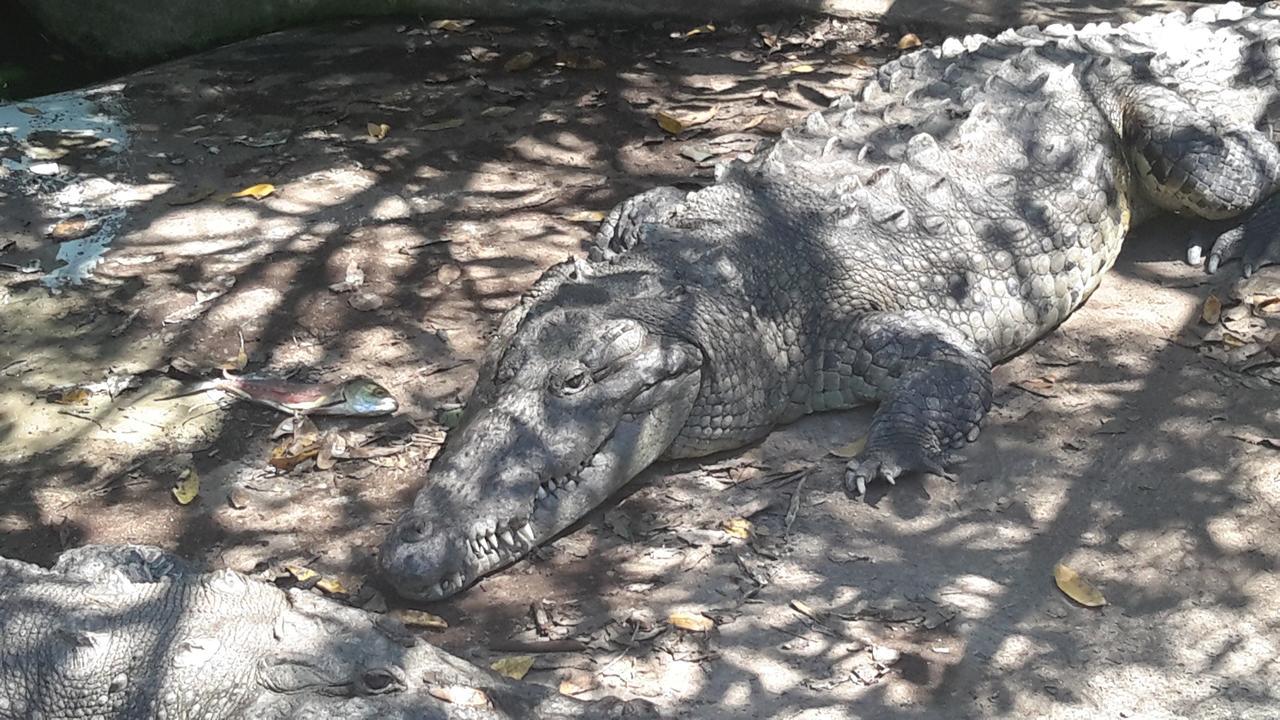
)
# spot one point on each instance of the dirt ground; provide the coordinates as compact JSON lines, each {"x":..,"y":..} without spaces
{"x":1136,"y":444}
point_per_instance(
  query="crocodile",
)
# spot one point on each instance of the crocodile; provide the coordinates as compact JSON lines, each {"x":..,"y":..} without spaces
{"x":888,"y":249}
{"x":130,"y":632}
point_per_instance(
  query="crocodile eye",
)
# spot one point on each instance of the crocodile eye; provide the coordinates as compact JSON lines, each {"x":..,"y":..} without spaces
{"x":576,"y":382}
{"x":378,"y":680}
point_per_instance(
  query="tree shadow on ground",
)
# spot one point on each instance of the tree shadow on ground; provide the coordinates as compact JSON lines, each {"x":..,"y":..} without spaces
{"x":453,"y":213}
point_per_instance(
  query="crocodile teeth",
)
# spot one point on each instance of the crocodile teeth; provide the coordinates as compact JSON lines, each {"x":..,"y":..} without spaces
{"x":526,"y":534}
{"x":507,"y":538}
{"x":542,"y":492}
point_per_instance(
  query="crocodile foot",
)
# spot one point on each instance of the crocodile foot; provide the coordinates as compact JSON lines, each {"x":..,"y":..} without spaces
{"x":623,"y":226}
{"x":1256,"y":241}
{"x":891,"y":462}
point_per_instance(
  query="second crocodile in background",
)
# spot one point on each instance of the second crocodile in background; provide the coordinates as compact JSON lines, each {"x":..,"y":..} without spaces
{"x":888,"y":250}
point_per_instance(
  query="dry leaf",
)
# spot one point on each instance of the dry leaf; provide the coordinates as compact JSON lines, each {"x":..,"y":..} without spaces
{"x":282,"y":458}
{"x":801,"y":69}
{"x":676,"y":124}
{"x":523,"y":61}
{"x":257,"y":192}
{"x":305,"y":433}
{"x":752,"y":122}
{"x":908,"y":41}
{"x":238,"y":362}
{"x":514,"y":667}
{"x":768,"y":37}
{"x":1212,"y":311}
{"x":444,"y":124}
{"x":808,"y":611}
{"x":701,"y":30}
{"x":1253,"y":439}
{"x":691,"y":621}
{"x":852,"y":450}
{"x":853,"y":59}
{"x":577,"y":682}
{"x":449,"y":417}
{"x":1232,"y":340}
{"x":1076,"y":587}
{"x":332,"y":586}
{"x":71,"y":396}
{"x":73,"y":228}
{"x":737,"y":527}
{"x":333,"y":447}
{"x":187,"y":488}
{"x":585,"y":216}
{"x":497,"y":111}
{"x":301,"y":573}
{"x":1264,"y":305}
{"x":450,"y":25}
{"x":351,"y":279}
{"x":29,"y":110}
{"x":377,"y":131}
{"x":1042,"y":386}
{"x":420,"y":619}
{"x":460,"y":695}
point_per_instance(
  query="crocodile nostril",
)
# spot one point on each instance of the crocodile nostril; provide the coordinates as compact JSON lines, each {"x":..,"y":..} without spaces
{"x":413,"y":530}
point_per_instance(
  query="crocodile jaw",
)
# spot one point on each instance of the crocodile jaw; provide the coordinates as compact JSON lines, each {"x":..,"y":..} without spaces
{"x":487,"y":504}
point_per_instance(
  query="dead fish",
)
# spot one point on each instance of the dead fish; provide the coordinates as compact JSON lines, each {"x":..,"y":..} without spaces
{"x":358,"y":397}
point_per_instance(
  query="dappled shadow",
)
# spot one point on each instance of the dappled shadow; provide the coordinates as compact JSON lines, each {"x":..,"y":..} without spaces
{"x":472,"y":193}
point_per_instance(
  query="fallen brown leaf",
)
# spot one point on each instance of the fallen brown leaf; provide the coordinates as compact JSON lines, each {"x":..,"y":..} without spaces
{"x":737,"y":527}
{"x":420,"y":618}
{"x":73,"y":228}
{"x":691,"y":621}
{"x":460,"y":695}
{"x":578,"y":681}
{"x":1076,"y":587}
{"x":676,"y":124}
{"x":1211,"y":313}
{"x":522,"y":61}
{"x":456,"y":26}
{"x":257,"y":192}
{"x":514,"y":667}
{"x":585,"y":216}
{"x":187,"y":488}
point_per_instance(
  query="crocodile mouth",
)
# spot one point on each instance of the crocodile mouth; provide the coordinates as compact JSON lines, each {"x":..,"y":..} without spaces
{"x":554,"y":503}
{"x":493,"y":545}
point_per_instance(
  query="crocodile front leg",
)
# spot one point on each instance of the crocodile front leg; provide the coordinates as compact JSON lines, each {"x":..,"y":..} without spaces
{"x":1256,"y":241}
{"x":933,"y":385}
{"x":623,"y":226}
{"x":1189,"y":163}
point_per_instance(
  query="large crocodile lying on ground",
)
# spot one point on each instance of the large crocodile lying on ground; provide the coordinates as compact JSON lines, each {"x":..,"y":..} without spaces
{"x":888,"y":250}
{"x":130,"y":633}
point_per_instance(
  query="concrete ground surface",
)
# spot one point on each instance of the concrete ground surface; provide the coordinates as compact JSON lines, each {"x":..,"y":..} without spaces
{"x":436,"y":171}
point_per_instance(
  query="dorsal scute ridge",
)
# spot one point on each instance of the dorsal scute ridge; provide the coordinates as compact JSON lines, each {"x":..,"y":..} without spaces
{"x":971,"y":86}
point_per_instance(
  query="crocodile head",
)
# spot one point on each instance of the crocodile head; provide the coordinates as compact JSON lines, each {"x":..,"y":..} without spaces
{"x":575,"y":398}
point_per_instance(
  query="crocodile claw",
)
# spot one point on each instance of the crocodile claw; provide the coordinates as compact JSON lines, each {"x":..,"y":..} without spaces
{"x":1255,"y":241}
{"x":890,"y":463}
